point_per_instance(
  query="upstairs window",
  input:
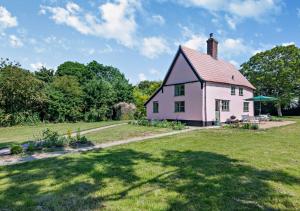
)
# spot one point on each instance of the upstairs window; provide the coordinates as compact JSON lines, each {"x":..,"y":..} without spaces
{"x":232,"y":90}
{"x":155,"y":107}
{"x":179,"y":90}
{"x":246,"y":107}
{"x":179,"y":106}
{"x":241,"y":91}
{"x":225,"y":105}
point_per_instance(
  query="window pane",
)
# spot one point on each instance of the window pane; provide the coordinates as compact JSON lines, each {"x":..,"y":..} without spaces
{"x":179,"y":106}
{"x":232,"y":90}
{"x":155,"y":107}
{"x":241,"y":91}
{"x":246,"y":106}
{"x":179,"y":90}
{"x":225,"y":105}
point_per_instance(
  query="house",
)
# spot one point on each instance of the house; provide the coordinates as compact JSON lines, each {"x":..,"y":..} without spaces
{"x":200,"y":89}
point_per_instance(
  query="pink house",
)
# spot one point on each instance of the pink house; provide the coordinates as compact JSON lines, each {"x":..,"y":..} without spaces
{"x":200,"y":89}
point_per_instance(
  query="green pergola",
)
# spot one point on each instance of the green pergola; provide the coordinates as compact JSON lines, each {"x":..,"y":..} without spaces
{"x":260,"y":99}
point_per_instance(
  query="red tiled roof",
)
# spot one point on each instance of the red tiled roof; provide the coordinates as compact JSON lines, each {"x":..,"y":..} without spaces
{"x":215,"y":70}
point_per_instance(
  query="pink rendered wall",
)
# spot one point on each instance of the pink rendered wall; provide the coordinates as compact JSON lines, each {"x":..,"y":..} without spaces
{"x":181,"y":73}
{"x":193,"y":103}
{"x":223,"y":92}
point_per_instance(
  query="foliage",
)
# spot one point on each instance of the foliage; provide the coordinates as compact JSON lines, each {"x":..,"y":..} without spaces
{"x":16,"y":149}
{"x":44,"y":74}
{"x":175,"y":125}
{"x":142,"y":92}
{"x":64,"y":99}
{"x":19,"y":118}
{"x":72,"y":93}
{"x":247,"y":126}
{"x":276,"y":72}
{"x":20,"y":90}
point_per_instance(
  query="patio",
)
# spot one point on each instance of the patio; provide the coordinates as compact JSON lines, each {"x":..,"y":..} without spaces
{"x":271,"y":124}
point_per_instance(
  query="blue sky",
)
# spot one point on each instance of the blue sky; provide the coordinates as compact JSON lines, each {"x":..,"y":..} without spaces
{"x":140,"y":37}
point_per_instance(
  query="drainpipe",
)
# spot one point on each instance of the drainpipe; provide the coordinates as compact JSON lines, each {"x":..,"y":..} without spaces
{"x":205,"y":111}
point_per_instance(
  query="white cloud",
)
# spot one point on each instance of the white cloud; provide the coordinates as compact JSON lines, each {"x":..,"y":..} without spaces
{"x":15,"y":42}
{"x":158,"y":19}
{"x":288,"y":43}
{"x":242,"y":8}
{"x":196,"y":41}
{"x":298,"y":12}
{"x":235,"y":63}
{"x":142,"y":77}
{"x":230,"y":47}
{"x":37,"y":66}
{"x":6,"y":19}
{"x":152,"y":47}
{"x":232,"y":22}
{"x":154,"y":72}
{"x":117,"y":20}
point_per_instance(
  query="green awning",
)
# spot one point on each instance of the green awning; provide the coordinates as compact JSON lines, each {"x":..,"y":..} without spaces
{"x":261,"y":98}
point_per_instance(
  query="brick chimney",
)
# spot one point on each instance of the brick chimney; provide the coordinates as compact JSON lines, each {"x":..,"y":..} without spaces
{"x":212,"y":46}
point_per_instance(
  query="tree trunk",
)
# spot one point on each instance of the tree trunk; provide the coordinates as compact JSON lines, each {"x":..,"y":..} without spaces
{"x":279,"y":112}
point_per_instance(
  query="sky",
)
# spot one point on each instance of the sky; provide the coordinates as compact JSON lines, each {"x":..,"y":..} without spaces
{"x":141,"y":37}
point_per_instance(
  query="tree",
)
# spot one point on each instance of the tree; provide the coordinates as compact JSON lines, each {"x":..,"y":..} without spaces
{"x":20,"y":90}
{"x":44,"y":74}
{"x":76,"y":69}
{"x":122,"y":87}
{"x":275,"y":72}
{"x":142,"y":92}
{"x":99,"y":99}
{"x":64,"y":99}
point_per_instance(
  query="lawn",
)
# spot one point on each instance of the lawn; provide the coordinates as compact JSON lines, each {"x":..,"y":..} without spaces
{"x":124,"y":132}
{"x":17,"y":134}
{"x":226,"y":169}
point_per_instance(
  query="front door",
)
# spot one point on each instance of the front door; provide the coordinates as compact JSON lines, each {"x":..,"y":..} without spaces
{"x":217,"y":111}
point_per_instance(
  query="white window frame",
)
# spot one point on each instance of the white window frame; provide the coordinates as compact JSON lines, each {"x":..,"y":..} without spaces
{"x":246,"y":103}
{"x":232,"y":90}
{"x":225,"y":105}
{"x":241,"y":91}
{"x":180,"y":108}
{"x":153,"y":110}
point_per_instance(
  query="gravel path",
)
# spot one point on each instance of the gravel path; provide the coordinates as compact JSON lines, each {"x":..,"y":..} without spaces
{"x":10,"y":160}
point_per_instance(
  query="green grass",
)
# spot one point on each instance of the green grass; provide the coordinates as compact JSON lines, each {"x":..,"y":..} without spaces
{"x":226,"y":169}
{"x":124,"y":132}
{"x":17,"y":134}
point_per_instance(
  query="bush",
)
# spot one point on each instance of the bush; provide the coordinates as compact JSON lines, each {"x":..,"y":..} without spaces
{"x":254,"y":127}
{"x":16,"y":149}
{"x":20,"y":118}
{"x":175,"y":125}
{"x":79,"y":140}
{"x":246,"y":126}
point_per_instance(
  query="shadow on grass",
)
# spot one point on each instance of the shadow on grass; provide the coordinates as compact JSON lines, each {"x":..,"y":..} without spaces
{"x":203,"y":180}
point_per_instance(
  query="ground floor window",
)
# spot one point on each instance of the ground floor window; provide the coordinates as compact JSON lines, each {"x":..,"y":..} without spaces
{"x":225,"y":105}
{"x":155,"y":107}
{"x":179,"y":106}
{"x":246,"y":106}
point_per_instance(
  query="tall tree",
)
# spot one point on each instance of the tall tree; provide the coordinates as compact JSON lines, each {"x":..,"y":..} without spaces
{"x":76,"y":69}
{"x":65,"y":101}
{"x":44,"y":74}
{"x":275,"y":72}
{"x":19,"y":90}
{"x":121,"y":85}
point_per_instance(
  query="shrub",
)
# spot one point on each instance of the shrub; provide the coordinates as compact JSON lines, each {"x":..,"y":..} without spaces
{"x":254,"y":127}
{"x":246,"y":126}
{"x":175,"y":125}
{"x":16,"y":149}
{"x":20,"y":118}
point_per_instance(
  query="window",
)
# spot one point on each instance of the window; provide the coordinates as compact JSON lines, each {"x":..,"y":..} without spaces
{"x":246,"y":106}
{"x":179,"y":106}
{"x":232,"y":90}
{"x":155,"y":107}
{"x":241,"y":91}
{"x":225,"y":105}
{"x":179,"y":90}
